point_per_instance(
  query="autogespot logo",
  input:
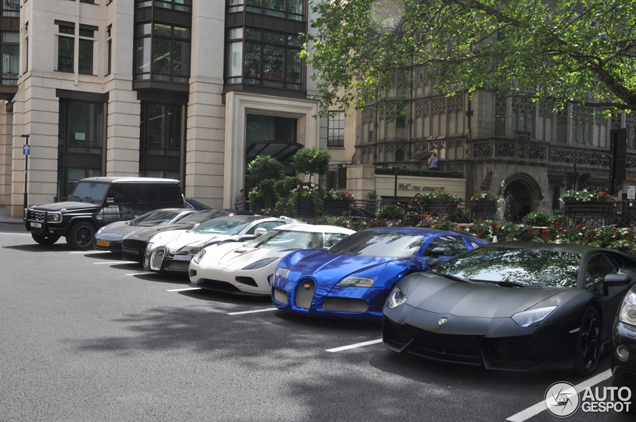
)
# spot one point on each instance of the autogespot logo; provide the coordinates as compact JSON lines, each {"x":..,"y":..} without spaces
{"x":562,"y":399}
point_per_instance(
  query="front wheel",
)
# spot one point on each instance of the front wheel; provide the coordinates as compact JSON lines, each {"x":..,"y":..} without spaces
{"x":81,"y":235}
{"x":588,"y":343}
{"x":44,"y":240}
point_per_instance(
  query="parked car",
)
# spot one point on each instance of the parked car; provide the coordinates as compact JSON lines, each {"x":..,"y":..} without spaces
{"x":624,"y":344}
{"x":96,"y":202}
{"x":353,"y":278}
{"x":196,"y":205}
{"x":172,"y":251}
{"x":134,"y":244}
{"x":512,"y":306}
{"x":248,"y":268}
{"x":110,"y":237}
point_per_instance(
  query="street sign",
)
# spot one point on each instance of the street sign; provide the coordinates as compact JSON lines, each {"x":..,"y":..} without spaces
{"x":26,"y":149}
{"x":631,"y":192}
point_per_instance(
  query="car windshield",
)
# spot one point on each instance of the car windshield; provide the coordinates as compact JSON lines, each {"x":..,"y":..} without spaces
{"x":89,"y":192}
{"x":154,"y":218}
{"x":379,"y":243}
{"x":286,"y":240}
{"x":202,"y":216}
{"x":222,"y":225}
{"x":515,"y":265}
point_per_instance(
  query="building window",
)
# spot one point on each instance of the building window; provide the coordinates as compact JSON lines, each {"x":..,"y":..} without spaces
{"x":162,"y":52}
{"x":562,"y":128}
{"x":10,"y":57}
{"x":262,"y":57}
{"x":66,"y":49}
{"x":287,"y":9}
{"x":10,"y":7}
{"x":178,"y":5}
{"x":109,"y":50}
{"x":162,"y":131}
{"x":335,"y":129}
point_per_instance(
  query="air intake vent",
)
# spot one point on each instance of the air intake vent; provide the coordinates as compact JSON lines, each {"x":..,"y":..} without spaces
{"x":338,"y":304}
{"x":280,"y":296}
{"x":305,"y":294}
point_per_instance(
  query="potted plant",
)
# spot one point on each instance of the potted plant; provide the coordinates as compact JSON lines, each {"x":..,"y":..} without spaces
{"x":438,"y":202}
{"x":484,"y":203}
{"x":590,"y":203}
{"x":338,"y":202}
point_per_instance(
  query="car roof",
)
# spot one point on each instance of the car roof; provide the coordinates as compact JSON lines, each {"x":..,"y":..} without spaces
{"x":131,"y":180}
{"x":310,"y":228}
{"x":561,"y":247}
{"x":417,"y":231}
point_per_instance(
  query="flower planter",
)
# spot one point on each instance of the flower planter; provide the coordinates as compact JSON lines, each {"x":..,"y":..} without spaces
{"x":438,"y":209}
{"x":603,"y":209}
{"x":334,"y":207}
{"x":483,"y":208}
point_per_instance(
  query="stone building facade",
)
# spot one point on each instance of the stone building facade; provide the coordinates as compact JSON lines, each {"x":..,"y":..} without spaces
{"x":186,"y":89}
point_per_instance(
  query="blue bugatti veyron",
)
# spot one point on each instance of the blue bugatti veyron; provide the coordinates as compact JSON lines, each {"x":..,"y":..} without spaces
{"x":353,"y":278}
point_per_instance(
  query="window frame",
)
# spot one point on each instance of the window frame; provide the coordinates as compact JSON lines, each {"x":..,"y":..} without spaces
{"x":336,"y":116}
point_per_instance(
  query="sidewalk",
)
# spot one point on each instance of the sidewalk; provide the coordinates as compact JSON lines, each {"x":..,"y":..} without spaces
{"x":5,"y":217}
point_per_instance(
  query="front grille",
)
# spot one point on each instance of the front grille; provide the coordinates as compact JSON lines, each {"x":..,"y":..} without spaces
{"x":629,"y":378}
{"x":305,"y":293}
{"x":522,"y":350}
{"x":395,"y":335}
{"x":178,"y":266}
{"x":452,"y":348}
{"x":139,"y":245}
{"x":37,"y":216}
{"x":221,"y":286}
{"x":247,"y":280}
{"x":281,"y":296}
{"x":339,"y":304}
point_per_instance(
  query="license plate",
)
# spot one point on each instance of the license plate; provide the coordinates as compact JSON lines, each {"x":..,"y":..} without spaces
{"x":131,"y":251}
{"x":36,"y":225}
{"x":182,"y":257}
{"x":103,"y":243}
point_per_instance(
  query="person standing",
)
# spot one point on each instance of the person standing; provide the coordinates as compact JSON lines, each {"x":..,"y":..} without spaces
{"x":432,"y":162}
{"x":239,"y":202}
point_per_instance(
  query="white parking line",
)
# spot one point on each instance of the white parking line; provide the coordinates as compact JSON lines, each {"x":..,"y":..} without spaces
{"x":131,"y":274}
{"x":252,"y":312}
{"x":16,"y":234}
{"x":89,"y":252}
{"x":110,"y":263}
{"x":540,"y":407}
{"x":184,"y":290}
{"x":355,"y":346}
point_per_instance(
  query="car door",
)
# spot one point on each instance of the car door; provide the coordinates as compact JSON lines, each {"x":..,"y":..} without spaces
{"x":118,"y":204}
{"x":598,"y":266}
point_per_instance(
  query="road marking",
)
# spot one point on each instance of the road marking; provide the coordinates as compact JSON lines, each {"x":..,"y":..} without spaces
{"x":184,"y":290}
{"x":16,"y":234}
{"x":89,"y":252}
{"x":540,"y":407}
{"x":252,"y":312}
{"x":111,"y":263}
{"x":138,"y":274}
{"x":355,"y":346}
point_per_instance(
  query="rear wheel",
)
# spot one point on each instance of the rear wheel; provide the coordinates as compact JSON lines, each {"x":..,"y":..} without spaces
{"x":588,"y":343}
{"x":44,"y":240}
{"x":81,"y":236}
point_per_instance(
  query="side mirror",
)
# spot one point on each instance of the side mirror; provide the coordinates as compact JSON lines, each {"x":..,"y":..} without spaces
{"x":614,"y":280}
{"x":433,"y":261}
{"x":260,"y":231}
{"x":440,"y":251}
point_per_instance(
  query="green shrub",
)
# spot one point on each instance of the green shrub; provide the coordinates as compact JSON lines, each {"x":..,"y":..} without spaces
{"x":265,"y":167}
{"x":537,"y":218}
{"x":391,"y":212}
{"x":311,"y":161}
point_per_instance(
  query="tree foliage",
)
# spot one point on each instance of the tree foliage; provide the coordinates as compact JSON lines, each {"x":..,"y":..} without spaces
{"x":265,"y":167}
{"x":312,"y":161}
{"x":567,"y":51}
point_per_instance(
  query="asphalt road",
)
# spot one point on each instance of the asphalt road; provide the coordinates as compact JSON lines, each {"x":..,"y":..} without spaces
{"x":88,"y":337}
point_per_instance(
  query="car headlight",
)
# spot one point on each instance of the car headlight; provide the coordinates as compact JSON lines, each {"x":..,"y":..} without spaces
{"x":354,"y":281}
{"x":396,"y":298}
{"x":532,"y":317}
{"x":100,"y":230}
{"x":282,"y":272}
{"x":198,"y":257}
{"x":54,"y":217}
{"x":260,"y":263}
{"x":628,"y":309}
{"x":190,"y":250}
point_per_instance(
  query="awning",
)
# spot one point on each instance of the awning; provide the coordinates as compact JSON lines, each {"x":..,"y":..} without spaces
{"x":283,"y":151}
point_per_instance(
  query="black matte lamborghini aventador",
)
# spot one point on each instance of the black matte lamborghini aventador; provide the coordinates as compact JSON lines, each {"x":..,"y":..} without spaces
{"x":512,"y":306}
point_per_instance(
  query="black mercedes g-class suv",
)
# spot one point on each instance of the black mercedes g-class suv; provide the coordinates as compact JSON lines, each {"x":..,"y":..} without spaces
{"x":97,"y":201}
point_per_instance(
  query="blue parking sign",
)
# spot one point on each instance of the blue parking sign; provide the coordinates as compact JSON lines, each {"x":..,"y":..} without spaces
{"x":26,"y":149}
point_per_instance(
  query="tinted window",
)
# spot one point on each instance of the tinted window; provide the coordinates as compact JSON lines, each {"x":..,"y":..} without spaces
{"x":379,"y":243}
{"x":170,"y":194}
{"x":525,"y":266}
{"x":221,"y":225}
{"x":200,"y":217}
{"x":145,"y":194}
{"x":286,"y":240}
{"x":119,"y":193}
{"x":91,"y":192}
{"x":454,"y":245}
{"x":333,"y":238}
{"x":597,"y":268}
{"x":154,"y":218}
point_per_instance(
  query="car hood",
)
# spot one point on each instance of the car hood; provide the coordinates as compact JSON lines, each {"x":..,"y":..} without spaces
{"x":116,"y":230}
{"x":433,"y":293}
{"x":147,"y":233}
{"x":231,"y":256}
{"x":67,"y":206}
{"x":330,"y":268}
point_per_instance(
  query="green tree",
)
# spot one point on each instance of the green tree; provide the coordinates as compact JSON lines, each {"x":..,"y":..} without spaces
{"x":311,"y":161}
{"x":265,"y":167}
{"x":566,"y":51}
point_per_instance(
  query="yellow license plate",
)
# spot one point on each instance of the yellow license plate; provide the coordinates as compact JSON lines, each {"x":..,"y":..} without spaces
{"x":103,"y":243}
